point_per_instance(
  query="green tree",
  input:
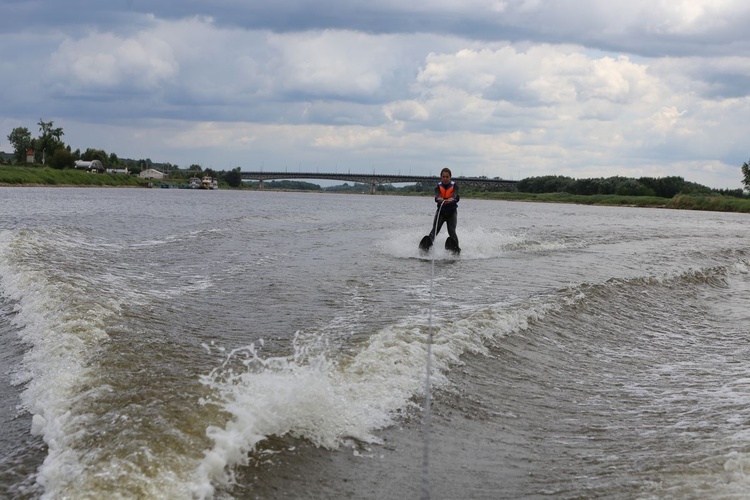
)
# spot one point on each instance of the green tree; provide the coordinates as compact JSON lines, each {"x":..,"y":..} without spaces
{"x":631,"y":187}
{"x":582,"y":186}
{"x":745,"y":174}
{"x":20,"y":139}
{"x":546,"y":184}
{"x":665,"y":187}
{"x":62,"y":158}
{"x":424,"y":186}
{"x":48,"y":141}
{"x":47,"y":130}
{"x":233,"y":177}
{"x":96,"y":154}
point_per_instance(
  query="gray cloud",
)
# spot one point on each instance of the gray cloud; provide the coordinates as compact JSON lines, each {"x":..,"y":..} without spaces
{"x":579,"y":87}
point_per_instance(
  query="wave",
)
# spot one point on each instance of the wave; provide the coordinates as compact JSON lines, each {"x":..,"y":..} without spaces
{"x":329,"y":394}
{"x":62,"y":330}
{"x":68,"y":308}
{"x":333,"y":399}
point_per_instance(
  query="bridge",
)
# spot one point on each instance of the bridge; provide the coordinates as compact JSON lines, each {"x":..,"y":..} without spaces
{"x":375,"y":180}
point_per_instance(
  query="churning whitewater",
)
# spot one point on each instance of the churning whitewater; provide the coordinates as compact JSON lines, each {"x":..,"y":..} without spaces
{"x":219,"y":344}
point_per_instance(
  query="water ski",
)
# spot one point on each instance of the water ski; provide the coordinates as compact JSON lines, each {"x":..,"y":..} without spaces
{"x":452,"y":245}
{"x":425,"y":244}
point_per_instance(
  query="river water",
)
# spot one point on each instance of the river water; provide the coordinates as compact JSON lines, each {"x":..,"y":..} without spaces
{"x":223,"y":344}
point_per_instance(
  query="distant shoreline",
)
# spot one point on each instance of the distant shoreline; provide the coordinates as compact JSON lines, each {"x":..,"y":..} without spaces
{"x":5,"y":184}
{"x":714,"y":203}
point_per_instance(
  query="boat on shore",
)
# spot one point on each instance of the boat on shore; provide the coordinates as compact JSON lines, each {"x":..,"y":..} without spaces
{"x":209,"y":183}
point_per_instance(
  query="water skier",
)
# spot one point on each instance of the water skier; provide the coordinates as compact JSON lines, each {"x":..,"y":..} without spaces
{"x":446,"y":197}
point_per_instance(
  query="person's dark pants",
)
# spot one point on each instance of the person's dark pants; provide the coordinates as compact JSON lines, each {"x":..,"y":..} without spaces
{"x":450,"y":218}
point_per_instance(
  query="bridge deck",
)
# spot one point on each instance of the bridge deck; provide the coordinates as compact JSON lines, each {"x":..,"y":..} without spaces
{"x":377,"y":179}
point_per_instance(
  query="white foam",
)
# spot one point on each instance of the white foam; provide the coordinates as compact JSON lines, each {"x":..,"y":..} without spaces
{"x":310,"y":396}
{"x":476,"y":242}
{"x":59,"y":345}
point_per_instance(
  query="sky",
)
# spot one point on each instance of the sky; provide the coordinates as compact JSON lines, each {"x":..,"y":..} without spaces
{"x":497,"y":88}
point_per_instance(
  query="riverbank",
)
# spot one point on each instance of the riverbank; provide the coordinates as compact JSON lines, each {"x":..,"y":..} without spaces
{"x":25,"y":176}
{"x":714,"y":203}
{"x":11,"y":175}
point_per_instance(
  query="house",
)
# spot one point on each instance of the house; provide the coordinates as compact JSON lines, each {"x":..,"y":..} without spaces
{"x":30,"y":156}
{"x":151,"y":174}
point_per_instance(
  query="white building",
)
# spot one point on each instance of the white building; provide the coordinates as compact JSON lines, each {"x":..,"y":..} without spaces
{"x":151,"y":174}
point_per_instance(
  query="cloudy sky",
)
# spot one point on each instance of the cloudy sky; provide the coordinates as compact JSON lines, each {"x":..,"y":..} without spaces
{"x":502,"y":88}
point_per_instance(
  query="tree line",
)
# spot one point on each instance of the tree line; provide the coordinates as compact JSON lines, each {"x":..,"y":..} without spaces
{"x":49,"y":149}
{"x":663,"y":187}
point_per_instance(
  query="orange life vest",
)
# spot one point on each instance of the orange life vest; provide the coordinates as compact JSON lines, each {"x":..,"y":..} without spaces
{"x":446,"y":193}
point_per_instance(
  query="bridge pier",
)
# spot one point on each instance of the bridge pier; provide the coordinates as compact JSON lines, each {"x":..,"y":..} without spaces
{"x":260,"y":183}
{"x":373,"y":187}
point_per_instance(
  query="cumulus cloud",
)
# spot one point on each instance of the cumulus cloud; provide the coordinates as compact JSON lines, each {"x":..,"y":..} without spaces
{"x":103,"y":61}
{"x":333,"y":63}
{"x":496,"y":87}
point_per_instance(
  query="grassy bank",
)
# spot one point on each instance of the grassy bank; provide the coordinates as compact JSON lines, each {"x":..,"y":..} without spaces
{"x":33,"y":176}
{"x":599,"y":199}
{"x":715,"y":203}
{"x":712,"y":203}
